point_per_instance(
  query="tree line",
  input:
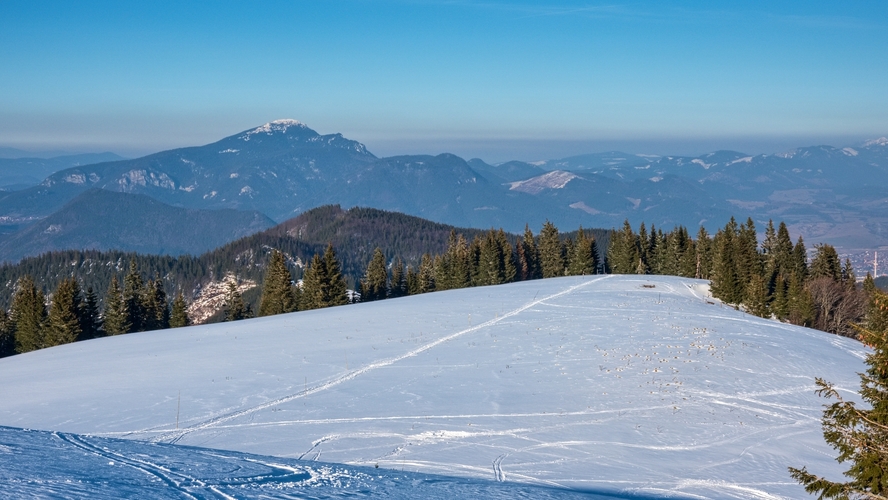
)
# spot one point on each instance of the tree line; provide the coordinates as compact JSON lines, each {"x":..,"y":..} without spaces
{"x":771,"y":279}
{"x":72,"y":314}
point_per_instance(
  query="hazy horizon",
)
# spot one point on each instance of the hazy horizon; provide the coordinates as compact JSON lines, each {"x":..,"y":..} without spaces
{"x":498,"y":80}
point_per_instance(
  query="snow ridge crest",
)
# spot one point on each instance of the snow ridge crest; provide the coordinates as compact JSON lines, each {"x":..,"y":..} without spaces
{"x":273,"y":127}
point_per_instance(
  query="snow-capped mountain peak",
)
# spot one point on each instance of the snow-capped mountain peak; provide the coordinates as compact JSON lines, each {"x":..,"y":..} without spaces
{"x":881,"y":141}
{"x":273,"y":127}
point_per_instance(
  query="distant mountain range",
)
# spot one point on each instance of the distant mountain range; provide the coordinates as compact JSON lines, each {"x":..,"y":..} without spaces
{"x":104,"y":220}
{"x":833,"y":195}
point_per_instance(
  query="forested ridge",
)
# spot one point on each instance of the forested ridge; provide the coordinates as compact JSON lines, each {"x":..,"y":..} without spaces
{"x":313,"y":260}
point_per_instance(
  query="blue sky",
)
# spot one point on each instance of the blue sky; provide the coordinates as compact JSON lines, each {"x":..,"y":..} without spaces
{"x":499,"y":80}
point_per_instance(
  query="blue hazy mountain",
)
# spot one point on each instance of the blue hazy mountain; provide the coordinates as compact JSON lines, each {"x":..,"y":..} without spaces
{"x":284,"y":168}
{"x":105,"y":220}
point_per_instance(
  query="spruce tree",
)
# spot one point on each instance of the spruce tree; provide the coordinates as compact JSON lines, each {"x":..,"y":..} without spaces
{"x":64,"y":322}
{"x":312,"y":285}
{"x":491,"y":261}
{"x":115,"y":319}
{"x":336,"y":287}
{"x":374,"y":286}
{"x":158,"y":312}
{"x":7,"y":335}
{"x":782,"y":252}
{"x":28,"y":316}
{"x":757,"y":300}
{"x":277,"y":290}
{"x":132,"y":299}
{"x":623,"y":253}
{"x":179,"y":316}
{"x":825,"y":263}
{"x":426,"y":274}
{"x":780,"y":303}
{"x":413,"y":285}
{"x":800,"y":303}
{"x":398,"y":285}
{"x":726,"y":284}
{"x":529,"y":257}
{"x":322,"y":283}
{"x":800,"y":260}
{"x":90,"y":320}
{"x":509,"y":266}
{"x":235,"y":307}
{"x":859,"y":435}
{"x":552,"y":263}
{"x":703,"y":254}
{"x":583,"y":260}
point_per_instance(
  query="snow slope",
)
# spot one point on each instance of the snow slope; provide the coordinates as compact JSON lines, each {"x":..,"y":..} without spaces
{"x":62,"y":465}
{"x":640,"y":385}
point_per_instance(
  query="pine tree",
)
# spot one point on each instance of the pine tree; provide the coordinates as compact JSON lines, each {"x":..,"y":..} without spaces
{"x":90,"y":320}
{"x":859,"y":435}
{"x":28,"y":316}
{"x":374,"y":286}
{"x":277,"y":290}
{"x":235,"y":307}
{"x":552,"y":263}
{"x":179,"y":316}
{"x":115,"y":318}
{"x":64,"y":322}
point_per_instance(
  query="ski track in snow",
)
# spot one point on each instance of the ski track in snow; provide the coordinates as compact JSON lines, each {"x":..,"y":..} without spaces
{"x":174,"y":436}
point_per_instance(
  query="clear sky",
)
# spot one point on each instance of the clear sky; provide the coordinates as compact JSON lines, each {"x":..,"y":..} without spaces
{"x":495,"y":79}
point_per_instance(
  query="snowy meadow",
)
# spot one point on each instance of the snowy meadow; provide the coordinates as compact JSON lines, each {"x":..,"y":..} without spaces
{"x":610,"y":386}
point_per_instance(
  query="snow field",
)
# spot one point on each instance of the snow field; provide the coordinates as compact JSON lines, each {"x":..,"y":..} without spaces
{"x":639,"y":385}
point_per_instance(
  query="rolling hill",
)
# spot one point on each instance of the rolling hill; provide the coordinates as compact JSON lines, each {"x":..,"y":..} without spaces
{"x":620,"y":385}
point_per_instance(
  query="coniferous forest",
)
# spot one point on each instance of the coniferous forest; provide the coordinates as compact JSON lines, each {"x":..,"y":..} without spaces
{"x":64,"y":297}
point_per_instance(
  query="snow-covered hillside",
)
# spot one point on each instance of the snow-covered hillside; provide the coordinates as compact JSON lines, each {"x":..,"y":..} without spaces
{"x":641,"y":385}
